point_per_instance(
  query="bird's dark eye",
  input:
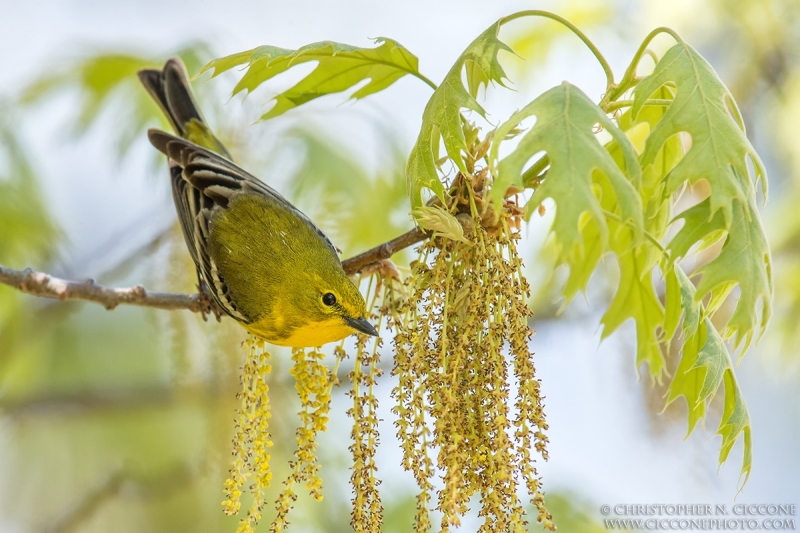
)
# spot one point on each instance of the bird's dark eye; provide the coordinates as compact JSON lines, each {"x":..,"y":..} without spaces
{"x":329,"y":299}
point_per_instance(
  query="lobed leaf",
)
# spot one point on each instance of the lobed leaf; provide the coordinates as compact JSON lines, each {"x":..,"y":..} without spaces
{"x":440,"y":222}
{"x":704,"y":108}
{"x":735,"y":421}
{"x":744,"y":261}
{"x":565,"y":120}
{"x":636,"y":299}
{"x":339,"y":67}
{"x":583,"y":265}
{"x":656,"y":204}
{"x":680,"y":303}
{"x":698,"y":226}
{"x":442,"y":119}
{"x":636,"y":296}
{"x":704,"y":366}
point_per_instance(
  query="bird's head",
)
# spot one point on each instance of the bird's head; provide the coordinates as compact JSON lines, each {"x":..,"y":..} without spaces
{"x":325,"y":307}
{"x":339,"y":300}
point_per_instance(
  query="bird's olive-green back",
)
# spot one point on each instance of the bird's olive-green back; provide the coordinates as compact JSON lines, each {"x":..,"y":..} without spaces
{"x":272,"y":258}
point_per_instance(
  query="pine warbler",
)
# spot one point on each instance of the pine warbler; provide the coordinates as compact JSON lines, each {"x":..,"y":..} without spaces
{"x":263,"y":261}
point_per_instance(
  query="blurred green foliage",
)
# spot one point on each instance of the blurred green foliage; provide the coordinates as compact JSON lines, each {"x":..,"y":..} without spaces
{"x":28,"y":235}
{"x":107,"y":83}
{"x":359,"y":209}
{"x":573,"y":514}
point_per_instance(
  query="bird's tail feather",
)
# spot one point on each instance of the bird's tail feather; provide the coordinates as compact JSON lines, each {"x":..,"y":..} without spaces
{"x":170,"y":88}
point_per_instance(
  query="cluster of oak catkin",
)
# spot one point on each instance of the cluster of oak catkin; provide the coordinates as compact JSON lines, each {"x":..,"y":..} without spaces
{"x":462,"y":350}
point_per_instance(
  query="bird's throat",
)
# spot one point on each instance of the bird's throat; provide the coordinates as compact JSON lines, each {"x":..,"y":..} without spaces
{"x":307,"y":335}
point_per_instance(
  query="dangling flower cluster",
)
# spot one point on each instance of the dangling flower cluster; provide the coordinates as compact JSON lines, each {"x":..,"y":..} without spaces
{"x":461,"y":337}
{"x":367,"y":512}
{"x":313,"y":383}
{"x":252,"y":439}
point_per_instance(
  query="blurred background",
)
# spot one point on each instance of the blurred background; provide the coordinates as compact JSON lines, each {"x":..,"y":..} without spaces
{"x":121,"y":421}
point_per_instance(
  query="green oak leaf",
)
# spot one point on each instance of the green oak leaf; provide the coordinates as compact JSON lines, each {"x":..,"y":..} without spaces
{"x":636,"y":298}
{"x":565,"y":120}
{"x":440,"y":223}
{"x":744,"y":260}
{"x":680,"y":302}
{"x":263,"y":63}
{"x":442,"y":118}
{"x":690,"y":377}
{"x":704,"y":366}
{"x":704,"y":108}
{"x":699,"y":226}
{"x":582,"y":265}
{"x":670,"y":153}
{"x":657,"y":205}
{"x":585,"y":263}
{"x":339,"y":67}
{"x":710,"y":359}
{"x":735,"y":421}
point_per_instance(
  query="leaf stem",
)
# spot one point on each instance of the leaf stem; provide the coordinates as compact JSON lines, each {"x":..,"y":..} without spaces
{"x":530,"y":175}
{"x":424,"y":78}
{"x":417,"y":74}
{"x":574,"y":29}
{"x":652,"y":55}
{"x":619,"y":104}
{"x":630,"y":74}
{"x":650,"y":236}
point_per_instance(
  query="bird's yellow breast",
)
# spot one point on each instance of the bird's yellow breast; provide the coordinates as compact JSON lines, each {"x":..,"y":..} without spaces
{"x":311,"y":334}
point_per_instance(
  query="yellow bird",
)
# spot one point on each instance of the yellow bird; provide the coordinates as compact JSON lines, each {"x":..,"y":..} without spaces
{"x":263,"y":261}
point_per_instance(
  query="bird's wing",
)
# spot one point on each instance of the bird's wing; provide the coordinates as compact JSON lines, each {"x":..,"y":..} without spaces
{"x":201,"y":181}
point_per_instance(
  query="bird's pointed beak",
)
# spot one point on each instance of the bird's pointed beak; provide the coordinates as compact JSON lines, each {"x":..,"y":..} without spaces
{"x":362,"y":325}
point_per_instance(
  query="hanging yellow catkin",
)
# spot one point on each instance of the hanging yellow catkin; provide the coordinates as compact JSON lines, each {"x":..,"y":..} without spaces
{"x":462,"y":341}
{"x":367,"y":511}
{"x":313,"y":382}
{"x":252,"y":439}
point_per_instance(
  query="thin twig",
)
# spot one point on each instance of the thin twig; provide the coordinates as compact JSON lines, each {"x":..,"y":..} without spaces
{"x":357,"y":263}
{"x":47,"y":286}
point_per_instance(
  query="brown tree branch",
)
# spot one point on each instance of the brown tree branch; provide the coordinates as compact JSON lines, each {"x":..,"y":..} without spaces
{"x":47,"y":286}
{"x":359,"y":262}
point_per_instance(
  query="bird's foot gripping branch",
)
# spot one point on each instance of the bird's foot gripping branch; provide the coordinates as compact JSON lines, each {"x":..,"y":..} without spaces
{"x":468,"y":406}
